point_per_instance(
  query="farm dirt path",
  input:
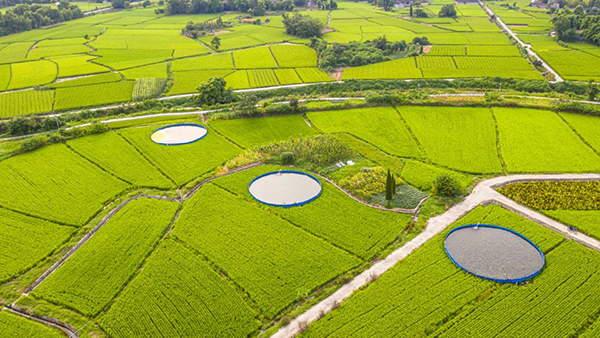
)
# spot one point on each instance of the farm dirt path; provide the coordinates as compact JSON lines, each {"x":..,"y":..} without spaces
{"x":483,"y":194}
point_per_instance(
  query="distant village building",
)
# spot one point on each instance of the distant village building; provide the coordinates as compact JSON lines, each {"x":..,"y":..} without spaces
{"x":407,"y":3}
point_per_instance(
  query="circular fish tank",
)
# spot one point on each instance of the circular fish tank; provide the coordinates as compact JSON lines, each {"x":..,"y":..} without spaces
{"x":178,"y":134}
{"x":285,"y":188}
{"x":494,"y":253}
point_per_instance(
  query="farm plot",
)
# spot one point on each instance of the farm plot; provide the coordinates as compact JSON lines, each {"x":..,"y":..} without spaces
{"x":373,"y":125}
{"x":287,"y":76}
{"x":447,"y":50}
{"x":259,"y":57}
{"x":475,"y":50}
{"x":93,"y":95}
{"x":215,"y":61}
{"x":176,"y":284}
{"x":291,"y":56}
{"x":395,"y":69}
{"x":237,"y":80}
{"x":310,"y":75}
{"x":4,"y":76}
{"x":444,"y":62}
{"x":188,"y":81}
{"x":439,"y":299}
{"x":96,"y":272}
{"x":182,"y":163}
{"x":15,"y":52}
{"x":126,"y":58}
{"x":25,"y":241}
{"x":274,"y":261}
{"x":55,"y":183}
{"x":77,"y":65}
{"x":585,"y":221}
{"x":117,"y":156}
{"x":459,"y":138}
{"x":334,"y":216}
{"x":26,"y":102}
{"x":158,"y":70}
{"x":251,"y":132}
{"x":584,"y":195}
{"x":262,"y":78}
{"x":29,"y":74}
{"x":147,"y":88}
{"x":573,"y":64}
{"x":42,"y":51}
{"x":539,"y":141}
{"x":12,"y":325}
{"x":492,"y":62}
{"x":588,"y":127}
{"x":87,"y":80}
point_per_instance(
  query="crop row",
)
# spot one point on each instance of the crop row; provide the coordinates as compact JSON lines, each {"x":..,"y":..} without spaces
{"x":146,"y":88}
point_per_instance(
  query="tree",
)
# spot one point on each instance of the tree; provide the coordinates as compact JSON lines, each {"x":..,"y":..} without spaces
{"x":447,"y":11}
{"x":446,"y":186}
{"x":146,"y":3}
{"x":592,"y":90}
{"x":390,"y":186}
{"x":214,"y":91}
{"x":302,"y":26}
{"x":118,"y":4}
{"x":178,"y":7}
{"x":411,"y":10}
{"x":247,"y":104}
{"x":216,"y":42}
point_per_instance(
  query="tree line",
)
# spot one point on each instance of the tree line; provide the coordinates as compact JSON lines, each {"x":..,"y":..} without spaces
{"x":24,"y":17}
{"x":253,"y":7}
{"x":578,"y":25}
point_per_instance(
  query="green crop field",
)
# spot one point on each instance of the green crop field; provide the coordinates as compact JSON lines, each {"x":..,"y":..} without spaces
{"x":254,"y":58}
{"x":463,"y":139}
{"x":114,"y":154}
{"x":274,"y":261}
{"x":93,"y":95}
{"x":262,"y":78}
{"x":148,"y":87}
{"x":25,"y":241}
{"x":253,"y":132}
{"x":109,"y":259}
{"x":437,"y":298}
{"x":57,"y":184}
{"x":586,"y":221}
{"x":26,"y":102}
{"x":327,"y":217}
{"x":373,"y":125}
{"x":87,"y":80}
{"x":176,"y":283}
{"x":539,"y":141}
{"x":12,"y":325}
{"x":182,"y":163}
{"x":29,"y":74}
{"x":287,"y":76}
{"x":289,"y":56}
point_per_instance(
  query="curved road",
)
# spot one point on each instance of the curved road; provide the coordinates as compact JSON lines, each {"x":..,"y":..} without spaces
{"x":483,"y":194}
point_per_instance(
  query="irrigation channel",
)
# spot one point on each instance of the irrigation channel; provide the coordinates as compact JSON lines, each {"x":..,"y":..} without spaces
{"x":484,"y":193}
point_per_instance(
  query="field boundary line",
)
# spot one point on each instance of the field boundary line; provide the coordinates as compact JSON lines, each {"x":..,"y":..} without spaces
{"x":412,"y":134}
{"x":57,"y":325}
{"x":577,"y":133}
{"x":498,"y":145}
{"x":483,"y":193}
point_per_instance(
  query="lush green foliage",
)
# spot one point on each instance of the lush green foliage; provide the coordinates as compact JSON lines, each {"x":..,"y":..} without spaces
{"x":584,"y":195}
{"x":439,"y":299}
{"x":12,"y":325}
{"x":274,"y":261}
{"x":320,"y":150}
{"x":97,"y":272}
{"x":459,"y":138}
{"x":447,"y":186}
{"x":539,"y":141}
{"x":25,"y":17}
{"x":302,"y":26}
{"x":250,"y":132}
{"x":182,"y":163}
{"x":25,"y":241}
{"x":56,"y":184}
{"x":174,"y":284}
{"x":111,"y":152}
{"x":422,"y":175}
{"x":381,"y":127}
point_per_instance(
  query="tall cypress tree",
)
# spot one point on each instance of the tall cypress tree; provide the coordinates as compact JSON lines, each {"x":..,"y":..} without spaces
{"x":389,"y":190}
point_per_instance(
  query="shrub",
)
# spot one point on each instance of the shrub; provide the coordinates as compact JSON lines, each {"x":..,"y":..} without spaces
{"x":31,"y":144}
{"x":287,"y":157}
{"x":447,"y":186}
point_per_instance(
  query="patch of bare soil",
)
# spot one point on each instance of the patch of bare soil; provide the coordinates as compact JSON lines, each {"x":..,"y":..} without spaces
{"x":337,"y":73}
{"x":427,"y":49}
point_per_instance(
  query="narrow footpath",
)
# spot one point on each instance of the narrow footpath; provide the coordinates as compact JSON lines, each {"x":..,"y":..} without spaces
{"x":483,"y":194}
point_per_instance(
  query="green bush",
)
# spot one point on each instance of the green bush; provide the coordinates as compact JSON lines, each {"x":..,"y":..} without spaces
{"x":447,"y":186}
{"x":287,"y":158}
